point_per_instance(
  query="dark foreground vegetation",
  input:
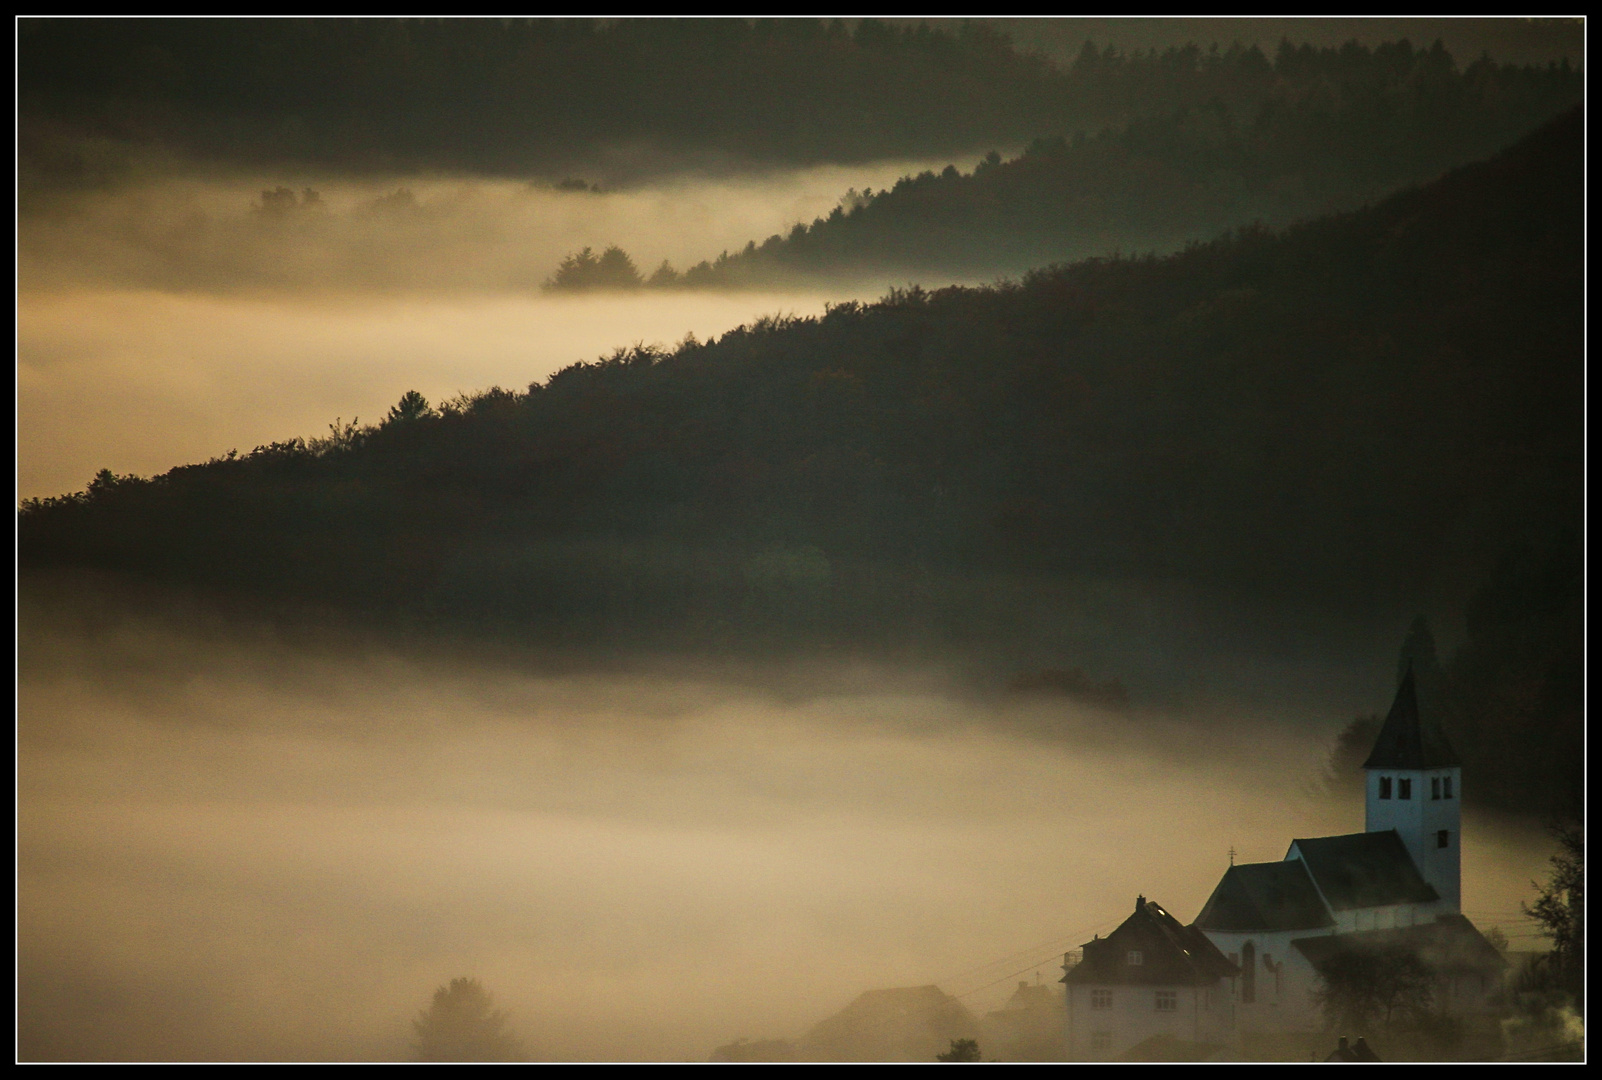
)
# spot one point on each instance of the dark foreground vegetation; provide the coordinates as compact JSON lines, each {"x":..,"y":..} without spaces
{"x":1324,"y":131}
{"x":1379,"y":411}
{"x":531,"y":98}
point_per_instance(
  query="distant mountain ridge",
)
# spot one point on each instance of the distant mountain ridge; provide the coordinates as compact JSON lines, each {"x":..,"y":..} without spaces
{"x":1317,"y":132}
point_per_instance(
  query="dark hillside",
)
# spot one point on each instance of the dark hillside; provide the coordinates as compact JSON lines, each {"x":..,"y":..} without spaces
{"x":1330,"y":131}
{"x":1364,"y":413}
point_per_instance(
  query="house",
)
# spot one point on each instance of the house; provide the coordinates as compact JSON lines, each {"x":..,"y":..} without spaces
{"x":1150,"y":977}
{"x":1396,"y":885}
{"x":1028,"y":1027}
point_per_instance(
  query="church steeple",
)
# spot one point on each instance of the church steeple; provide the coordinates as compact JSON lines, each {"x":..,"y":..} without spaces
{"x":1414,"y":786}
{"x":1409,"y":740}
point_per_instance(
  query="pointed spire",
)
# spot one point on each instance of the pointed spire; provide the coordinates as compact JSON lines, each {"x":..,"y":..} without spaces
{"x":1409,"y":740}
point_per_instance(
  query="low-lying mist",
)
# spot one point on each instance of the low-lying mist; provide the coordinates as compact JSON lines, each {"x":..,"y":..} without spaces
{"x":243,"y":843}
{"x":170,"y":320}
{"x":309,"y":233}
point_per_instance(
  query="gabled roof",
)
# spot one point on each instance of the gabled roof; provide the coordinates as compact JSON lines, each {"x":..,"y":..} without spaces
{"x":1363,"y":870}
{"x":1165,"y":1047}
{"x":1171,"y":954}
{"x":1449,"y":946}
{"x":1265,"y":896}
{"x":1409,"y":740}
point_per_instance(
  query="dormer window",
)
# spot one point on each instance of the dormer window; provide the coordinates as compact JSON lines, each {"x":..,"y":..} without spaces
{"x":1446,"y":787}
{"x":1404,"y":787}
{"x":1135,"y":958}
{"x":1385,"y":787}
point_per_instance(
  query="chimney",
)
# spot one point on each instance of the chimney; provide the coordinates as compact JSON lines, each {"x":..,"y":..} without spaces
{"x":1341,"y":1047}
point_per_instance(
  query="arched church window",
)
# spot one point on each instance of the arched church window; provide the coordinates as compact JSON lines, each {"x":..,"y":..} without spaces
{"x":1385,"y":787}
{"x":1248,"y":973}
{"x":1404,"y":787}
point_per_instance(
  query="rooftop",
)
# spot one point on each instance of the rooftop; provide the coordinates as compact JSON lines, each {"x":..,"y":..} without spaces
{"x":1409,"y":740}
{"x":1171,"y":954}
{"x":1363,"y":870}
{"x":1264,"y":897}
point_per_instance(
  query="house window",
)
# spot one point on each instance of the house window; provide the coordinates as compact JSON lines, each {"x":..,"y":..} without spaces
{"x":1435,"y":787}
{"x":1167,"y":1001}
{"x":1404,"y":787}
{"x":1101,"y":1040}
{"x":1101,"y":999}
{"x":1443,"y":838}
{"x":1446,"y":787}
{"x":1135,"y":958}
{"x":1385,"y":787}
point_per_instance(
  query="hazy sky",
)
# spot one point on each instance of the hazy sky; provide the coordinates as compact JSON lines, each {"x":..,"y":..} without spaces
{"x":235,"y":846}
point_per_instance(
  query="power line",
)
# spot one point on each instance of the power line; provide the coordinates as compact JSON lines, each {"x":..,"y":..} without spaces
{"x":1032,"y":949}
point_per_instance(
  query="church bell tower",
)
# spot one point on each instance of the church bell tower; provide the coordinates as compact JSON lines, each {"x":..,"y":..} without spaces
{"x":1413,"y":781}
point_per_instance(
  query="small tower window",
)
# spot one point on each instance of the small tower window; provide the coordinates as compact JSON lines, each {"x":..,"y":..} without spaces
{"x":1167,"y":1001}
{"x":1135,"y":958}
{"x":1443,"y":838}
{"x":1101,"y":999}
{"x":1101,"y":1040}
{"x":1385,"y":787}
{"x":1446,"y":787}
{"x":1435,"y":787}
{"x":1404,"y":787}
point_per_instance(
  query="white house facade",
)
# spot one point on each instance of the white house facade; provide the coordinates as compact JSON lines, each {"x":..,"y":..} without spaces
{"x":1151,"y":978}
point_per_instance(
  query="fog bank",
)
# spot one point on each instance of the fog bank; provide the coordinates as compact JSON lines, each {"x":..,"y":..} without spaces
{"x":231,"y":846}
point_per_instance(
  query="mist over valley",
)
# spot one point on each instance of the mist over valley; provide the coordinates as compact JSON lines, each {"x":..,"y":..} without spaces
{"x":701,"y":534}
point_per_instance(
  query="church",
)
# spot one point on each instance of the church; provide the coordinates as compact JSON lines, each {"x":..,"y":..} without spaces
{"x":1250,"y":961}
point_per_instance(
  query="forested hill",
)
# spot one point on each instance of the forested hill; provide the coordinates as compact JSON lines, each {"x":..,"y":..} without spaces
{"x":530,"y":98}
{"x":1333,"y":129}
{"x":1361,"y":412}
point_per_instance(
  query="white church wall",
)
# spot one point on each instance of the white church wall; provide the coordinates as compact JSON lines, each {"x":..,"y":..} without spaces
{"x":1280,"y":999}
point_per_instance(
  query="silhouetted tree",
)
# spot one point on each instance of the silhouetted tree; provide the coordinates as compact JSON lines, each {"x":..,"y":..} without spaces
{"x":961,"y":1050}
{"x":462,"y":1024}
{"x":1560,"y":909}
{"x":612,"y":269}
{"x":411,"y":407}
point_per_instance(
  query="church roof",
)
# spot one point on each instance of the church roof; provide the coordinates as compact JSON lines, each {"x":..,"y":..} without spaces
{"x":1171,"y":954}
{"x":1409,"y":740}
{"x":1451,"y":945}
{"x":1265,"y":896}
{"x":1363,"y":870}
